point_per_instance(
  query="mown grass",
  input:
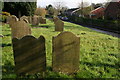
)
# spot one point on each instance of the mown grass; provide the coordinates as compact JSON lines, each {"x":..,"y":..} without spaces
{"x":99,"y":53}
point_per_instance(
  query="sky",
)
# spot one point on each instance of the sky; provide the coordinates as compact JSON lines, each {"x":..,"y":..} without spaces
{"x":68,"y":3}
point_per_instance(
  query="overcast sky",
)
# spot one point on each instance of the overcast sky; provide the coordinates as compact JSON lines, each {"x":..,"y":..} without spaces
{"x":68,"y":3}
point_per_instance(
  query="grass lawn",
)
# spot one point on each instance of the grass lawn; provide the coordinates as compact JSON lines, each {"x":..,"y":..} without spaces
{"x":98,"y":52}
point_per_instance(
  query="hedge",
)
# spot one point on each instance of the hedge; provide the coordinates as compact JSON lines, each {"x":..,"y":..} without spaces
{"x":99,"y":23}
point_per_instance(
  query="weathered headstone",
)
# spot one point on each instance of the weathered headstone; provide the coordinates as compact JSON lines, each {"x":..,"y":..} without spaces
{"x":59,"y":25}
{"x":42,"y":20}
{"x":35,"y":20}
{"x":29,"y":55}
{"x":20,"y":29}
{"x":66,"y":50}
{"x":8,"y":19}
{"x":30,"y":19}
{"x":11,"y":20}
{"x":24,"y":18}
{"x":55,"y":19}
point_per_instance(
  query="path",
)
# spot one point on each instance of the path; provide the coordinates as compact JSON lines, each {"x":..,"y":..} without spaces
{"x":106,"y":32}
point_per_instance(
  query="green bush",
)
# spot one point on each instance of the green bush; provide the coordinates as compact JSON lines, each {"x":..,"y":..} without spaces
{"x":3,"y":18}
{"x":6,"y":13}
{"x":100,"y":23}
{"x":20,"y":8}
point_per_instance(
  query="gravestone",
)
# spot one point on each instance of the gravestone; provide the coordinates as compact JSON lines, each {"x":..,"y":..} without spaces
{"x":8,"y":19}
{"x":20,"y":29}
{"x":11,"y":20}
{"x":55,"y":19}
{"x":24,"y":18}
{"x":29,"y":55}
{"x":30,"y":19}
{"x":35,"y":20}
{"x":66,"y":50}
{"x":59,"y":25}
{"x":42,"y":20}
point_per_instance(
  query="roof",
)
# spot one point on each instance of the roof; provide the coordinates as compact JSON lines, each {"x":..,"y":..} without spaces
{"x":113,"y":1}
{"x":97,"y":10}
{"x":76,"y":10}
{"x":72,"y":9}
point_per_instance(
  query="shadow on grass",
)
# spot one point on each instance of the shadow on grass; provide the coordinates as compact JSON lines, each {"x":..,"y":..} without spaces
{"x":49,"y":68}
{"x":5,"y":45}
{"x":100,"y":64}
{"x":79,"y":28}
{"x":7,"y":35}
{"x":41,"y":26}
{"x":8,"y":69}
{"x":6,"y":30}
{"x":112,"y":54}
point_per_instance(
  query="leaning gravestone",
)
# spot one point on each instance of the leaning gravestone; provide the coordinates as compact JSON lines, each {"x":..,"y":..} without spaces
{"x":59,"y":25}
{"x":24,"y":18}
{"x":29,"y":55}
{"x":35,"y":20}
{"x":66,"y":50}
{"x":11,"y":20}
{"x":42,"y":20}
{"x":20,"y":29}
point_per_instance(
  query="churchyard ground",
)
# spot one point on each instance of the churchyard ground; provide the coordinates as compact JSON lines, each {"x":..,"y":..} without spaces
{"x":99,"y":53}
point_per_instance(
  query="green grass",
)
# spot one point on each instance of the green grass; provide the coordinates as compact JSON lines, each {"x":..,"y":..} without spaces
{"x":98,"y":52}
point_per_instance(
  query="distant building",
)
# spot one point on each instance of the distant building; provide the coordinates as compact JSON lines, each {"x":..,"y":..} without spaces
{"x":112,"y":10}
{"x":70,"y":11}
{"x":97,"y":13}
{"x":84,"y":12}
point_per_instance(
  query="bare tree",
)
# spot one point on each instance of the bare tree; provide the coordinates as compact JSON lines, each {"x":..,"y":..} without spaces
{"x":59,"y":6}
{"x":82,"y":7}
{"x":83,"y":4}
